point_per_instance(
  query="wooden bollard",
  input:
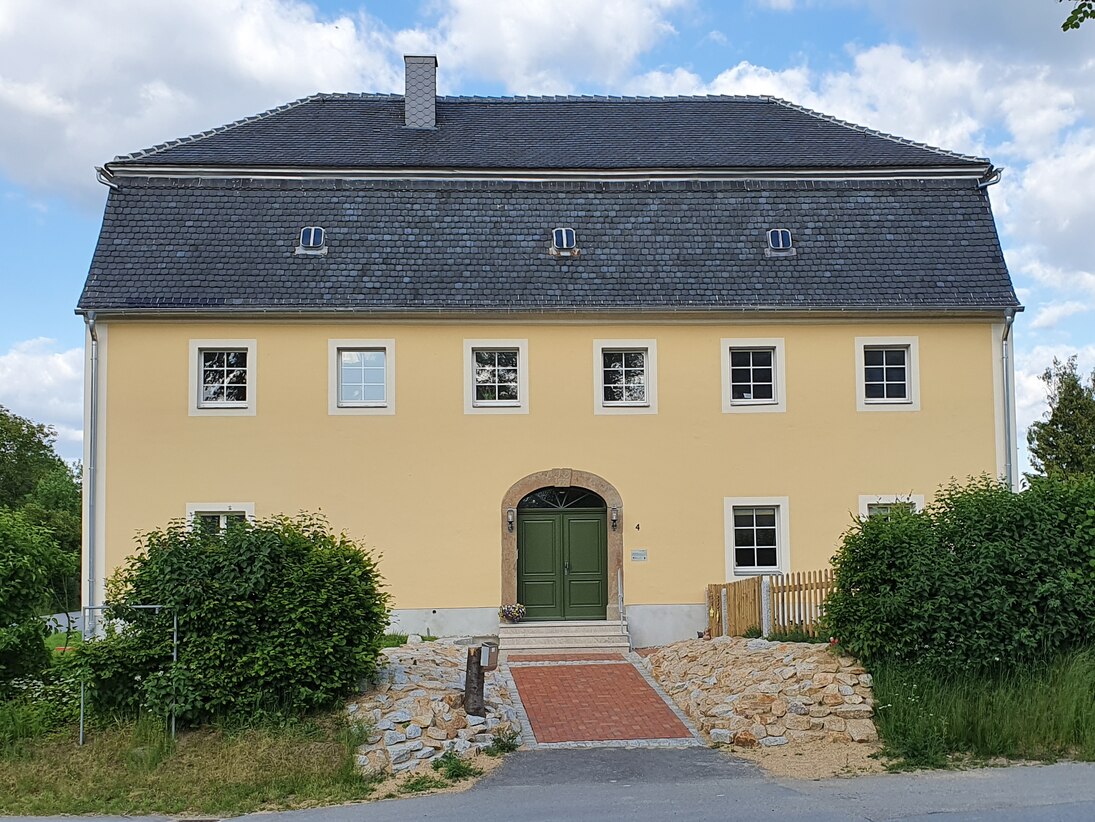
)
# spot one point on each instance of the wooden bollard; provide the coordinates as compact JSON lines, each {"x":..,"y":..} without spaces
{"x":474,"y":677}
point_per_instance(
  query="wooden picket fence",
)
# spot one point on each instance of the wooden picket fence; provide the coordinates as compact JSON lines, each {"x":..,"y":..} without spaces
{"x":795,"y":603}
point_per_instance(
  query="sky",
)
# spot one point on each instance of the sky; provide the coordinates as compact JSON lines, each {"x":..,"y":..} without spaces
{"x":82,"y":82}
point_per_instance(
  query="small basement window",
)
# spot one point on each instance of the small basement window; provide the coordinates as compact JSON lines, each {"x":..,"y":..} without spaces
{"x":564,"y":242}
{"x":313,"y":240}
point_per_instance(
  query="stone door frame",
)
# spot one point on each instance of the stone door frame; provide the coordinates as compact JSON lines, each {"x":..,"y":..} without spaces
{"x":564,"y":478}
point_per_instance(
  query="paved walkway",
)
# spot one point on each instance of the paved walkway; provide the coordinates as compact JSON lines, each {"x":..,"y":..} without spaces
{"x":585,"y":700}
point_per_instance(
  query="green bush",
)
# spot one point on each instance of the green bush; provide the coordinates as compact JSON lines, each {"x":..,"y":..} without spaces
{"x":984,"y":577}
{"x":278,"y":617}
{"x":30,"y":563}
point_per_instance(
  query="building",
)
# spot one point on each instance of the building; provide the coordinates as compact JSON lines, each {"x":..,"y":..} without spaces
{"x":591,"y":353}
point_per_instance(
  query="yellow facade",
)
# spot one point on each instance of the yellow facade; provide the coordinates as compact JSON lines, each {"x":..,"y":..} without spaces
{"x":423,"y":486}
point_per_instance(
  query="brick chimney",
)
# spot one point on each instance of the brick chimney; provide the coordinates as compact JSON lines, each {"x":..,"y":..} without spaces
{"x":420,"y":98}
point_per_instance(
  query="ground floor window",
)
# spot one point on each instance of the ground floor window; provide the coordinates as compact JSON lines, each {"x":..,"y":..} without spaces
{"x":216,"y":517}
{"x":756,"y":535}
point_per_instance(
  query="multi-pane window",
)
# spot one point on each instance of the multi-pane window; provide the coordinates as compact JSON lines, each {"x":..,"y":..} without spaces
{"x":756,"y":544}
{"x":885,"y":374}
{"x":223,"y":377}
{"x":752,"y":375}
{"x":495,"y":372}
{"x":883,"y":510}
{"x":624,"y":377}
{"x":362,"y":377}
{"x":214,"y":522}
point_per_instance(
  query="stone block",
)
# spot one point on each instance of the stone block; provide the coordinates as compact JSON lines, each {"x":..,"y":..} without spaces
{"x":413,"y":731}
{"x":861,"y":730}
{"x":394,"y":738}
{"x":796,"y":722}
{"x":773,"y":741}
{"x":779,"y":707}
{"x":818,"y":711}
{"x":797,"y":708}
{"x":437,"y":733}
{"x":722,"y":736}
{"x":853,"y":711}
{"x":746,"y":739}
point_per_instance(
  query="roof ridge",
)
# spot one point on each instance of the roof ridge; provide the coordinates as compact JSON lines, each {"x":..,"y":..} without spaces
{"x":201,"y":135}
{"x":876,"y":133}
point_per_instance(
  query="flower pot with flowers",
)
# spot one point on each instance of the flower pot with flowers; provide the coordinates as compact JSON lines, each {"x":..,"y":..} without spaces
{"x":512,"y":613}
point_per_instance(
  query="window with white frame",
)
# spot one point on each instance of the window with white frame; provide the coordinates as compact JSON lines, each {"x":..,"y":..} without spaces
{"x":882,"y":505}
{"x":222,"y":377}
{"x":625,"y":377}
{"x":756,"y":535}
{"x":216,"y":517}
{"x":887,"y":374}
{"x":496,"y":376}
{"x":361,"y":377}
{"x":753,"y":375}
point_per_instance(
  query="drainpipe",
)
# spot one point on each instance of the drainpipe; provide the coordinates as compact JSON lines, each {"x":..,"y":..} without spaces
{"x":1005,"y":346}
{"x":91,"y":477}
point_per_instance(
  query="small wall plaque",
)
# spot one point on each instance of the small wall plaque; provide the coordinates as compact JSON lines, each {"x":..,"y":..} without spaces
{"x":638,"y":556}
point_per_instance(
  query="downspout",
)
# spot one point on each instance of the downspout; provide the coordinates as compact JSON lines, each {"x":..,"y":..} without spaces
{"x":91,"y":477}
{"x":1005,"y":354}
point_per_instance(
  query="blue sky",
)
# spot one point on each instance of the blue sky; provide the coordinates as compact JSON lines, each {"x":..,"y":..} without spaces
{"x":80,"y":83}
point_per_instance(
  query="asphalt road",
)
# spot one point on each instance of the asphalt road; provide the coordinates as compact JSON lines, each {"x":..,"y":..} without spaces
{"x":610,"y":784}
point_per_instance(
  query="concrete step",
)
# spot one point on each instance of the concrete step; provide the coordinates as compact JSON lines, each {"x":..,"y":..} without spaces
{"x":505,"y":656}
{"x":588,"y":636}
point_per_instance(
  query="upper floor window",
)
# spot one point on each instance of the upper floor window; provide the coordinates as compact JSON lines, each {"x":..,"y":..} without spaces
{"x":887,"y":374}
{"x":753,"y":375}
{"x":222,"y":377}
{"x":361,"y":378}
{"x":626,"y":376}
{"x":496,"y":376}
{"x":779,"y":239}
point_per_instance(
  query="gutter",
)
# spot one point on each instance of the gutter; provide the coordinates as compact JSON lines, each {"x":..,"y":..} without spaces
{"x":91,"y":480}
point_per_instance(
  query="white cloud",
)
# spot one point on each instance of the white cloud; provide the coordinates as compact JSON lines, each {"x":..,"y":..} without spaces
{"x":1049,"y":315}
{"x":45,"y":384}
{"x":105,"y":78}
{"x":543,"y":46}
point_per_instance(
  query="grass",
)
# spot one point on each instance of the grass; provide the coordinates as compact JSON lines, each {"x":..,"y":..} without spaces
{"x":62,"y":639}
{"x":135,"y":768}
{"x":1040,"y":712}
{"x":395,"y":640}
{"x":453,"y":768}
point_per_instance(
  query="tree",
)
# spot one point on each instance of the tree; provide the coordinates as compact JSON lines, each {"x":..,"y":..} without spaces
{"x":1083,"y":10}
{"x":30,"y":564}
{"x":1064,"y":443}
{"x":26,"y":455}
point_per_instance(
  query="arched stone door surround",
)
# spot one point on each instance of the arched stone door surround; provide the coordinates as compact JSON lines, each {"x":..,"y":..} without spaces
{"x":563,"y":478}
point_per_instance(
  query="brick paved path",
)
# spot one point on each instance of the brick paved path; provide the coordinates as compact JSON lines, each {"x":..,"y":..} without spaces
{"x":593,"y":701}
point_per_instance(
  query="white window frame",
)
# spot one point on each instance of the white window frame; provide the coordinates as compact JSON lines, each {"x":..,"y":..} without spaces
{"x":783,"y":534}
{"x":867,"y":500}
{"x":651,"y":404}
{"x":385,"y":408}
{"x":521,"y":406}
{"x":248,"y":409}
{"x":195,"y":509}
{"x":912,"y":374}
{"x":778,"y":405}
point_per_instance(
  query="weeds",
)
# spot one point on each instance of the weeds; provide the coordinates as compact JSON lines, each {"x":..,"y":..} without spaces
{"x":1037,"y":711}
{"x":504,"y":742}
{"x":453,"y":768}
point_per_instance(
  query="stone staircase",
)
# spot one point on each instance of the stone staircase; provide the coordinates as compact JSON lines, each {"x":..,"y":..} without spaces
{"x":571,"y":637}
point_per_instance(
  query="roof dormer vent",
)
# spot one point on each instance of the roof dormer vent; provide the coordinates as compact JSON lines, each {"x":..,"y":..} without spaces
{"x":313,"y":240}
{"x":564,"y":243}
{"x":779,"y":243}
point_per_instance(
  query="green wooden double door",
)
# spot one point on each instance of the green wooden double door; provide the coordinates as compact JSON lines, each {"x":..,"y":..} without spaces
{"x":562,"y":564}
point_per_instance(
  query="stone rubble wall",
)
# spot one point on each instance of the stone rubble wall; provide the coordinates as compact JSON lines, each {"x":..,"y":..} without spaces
{"x":753,"y":692}
{"x":415,"y":709}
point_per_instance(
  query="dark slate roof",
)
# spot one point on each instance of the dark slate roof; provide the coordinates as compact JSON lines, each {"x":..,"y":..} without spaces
{"x":473,"y":245}
{"x":366,"y":131}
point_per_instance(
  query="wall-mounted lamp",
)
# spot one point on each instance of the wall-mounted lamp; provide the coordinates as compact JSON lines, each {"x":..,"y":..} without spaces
{"x":615,"y":518}
{"x":511,"y":516}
